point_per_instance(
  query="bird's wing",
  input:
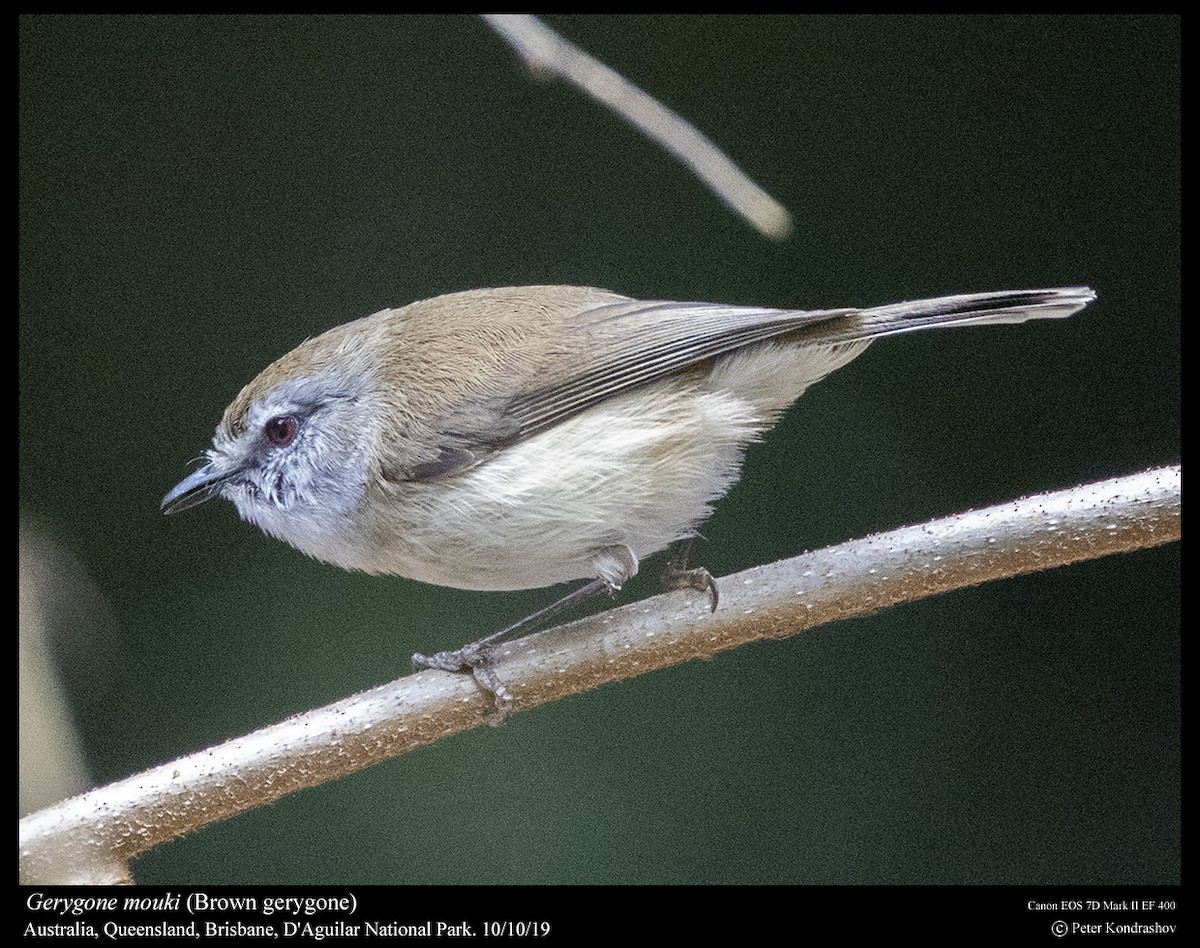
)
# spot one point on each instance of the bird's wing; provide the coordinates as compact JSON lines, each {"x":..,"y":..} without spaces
{"x":645,"y":341}
{"x":616,"y":346}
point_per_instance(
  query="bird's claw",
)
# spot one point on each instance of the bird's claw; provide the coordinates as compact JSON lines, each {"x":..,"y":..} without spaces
{"x":697,"y":578}
{"x":476,"y":661}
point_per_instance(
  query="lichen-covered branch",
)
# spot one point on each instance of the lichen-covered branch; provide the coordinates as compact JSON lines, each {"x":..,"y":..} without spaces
{"x":89,"y":838}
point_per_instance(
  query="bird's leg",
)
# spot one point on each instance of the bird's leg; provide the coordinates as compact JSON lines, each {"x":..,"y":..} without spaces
{"x":615,"y":564}
{"x":679,"y":576}
{"x":467,"y":657}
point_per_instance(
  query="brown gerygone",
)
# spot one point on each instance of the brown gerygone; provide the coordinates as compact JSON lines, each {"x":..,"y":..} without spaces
{"x":521,"y":437}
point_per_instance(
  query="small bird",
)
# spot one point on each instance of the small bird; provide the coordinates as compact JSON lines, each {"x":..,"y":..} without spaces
{"x":515,"y":438}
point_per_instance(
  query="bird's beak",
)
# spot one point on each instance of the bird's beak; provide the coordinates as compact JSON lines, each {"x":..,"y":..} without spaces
{"x":202,"y":484}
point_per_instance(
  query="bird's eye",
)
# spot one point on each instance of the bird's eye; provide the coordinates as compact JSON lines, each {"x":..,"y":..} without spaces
{"x":280,"y":431}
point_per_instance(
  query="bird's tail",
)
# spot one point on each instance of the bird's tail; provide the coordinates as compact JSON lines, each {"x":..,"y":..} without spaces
{"x":972,"y":309}
{"x":771,"y":377}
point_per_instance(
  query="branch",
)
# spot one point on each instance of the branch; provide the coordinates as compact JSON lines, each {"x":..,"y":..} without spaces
{"x":544,"y":49}
{"x":90,"y":837}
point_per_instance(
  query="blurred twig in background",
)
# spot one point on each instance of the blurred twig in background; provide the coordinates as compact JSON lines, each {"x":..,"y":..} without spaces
{"x":545,"y":50}
{"x":51,"y":764}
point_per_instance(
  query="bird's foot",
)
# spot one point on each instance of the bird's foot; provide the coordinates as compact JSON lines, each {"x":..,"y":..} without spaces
{"x":678,"y":575}
{"x":697,"y":578}
{"x":474,"y":658}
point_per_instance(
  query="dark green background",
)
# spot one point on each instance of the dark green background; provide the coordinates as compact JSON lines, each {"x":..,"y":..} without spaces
{"x":198,"y":195}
